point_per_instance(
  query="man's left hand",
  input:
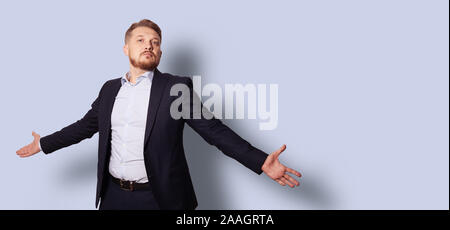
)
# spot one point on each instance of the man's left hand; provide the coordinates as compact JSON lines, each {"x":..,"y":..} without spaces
{"x":277,"y":171}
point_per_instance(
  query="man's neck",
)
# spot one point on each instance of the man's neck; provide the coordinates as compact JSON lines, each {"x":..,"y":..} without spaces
{"x":135,"y":73}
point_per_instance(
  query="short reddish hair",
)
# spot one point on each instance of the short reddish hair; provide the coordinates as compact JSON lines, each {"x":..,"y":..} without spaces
{"x":142,"y":23}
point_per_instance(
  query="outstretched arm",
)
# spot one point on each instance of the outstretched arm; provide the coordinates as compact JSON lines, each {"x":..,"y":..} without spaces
{"x":84,"y":128}
{"x":218,"y":134}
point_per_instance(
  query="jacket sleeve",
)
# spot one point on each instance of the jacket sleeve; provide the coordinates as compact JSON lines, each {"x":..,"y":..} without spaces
{"x":84,"y":128}
{"x":226,"y":140}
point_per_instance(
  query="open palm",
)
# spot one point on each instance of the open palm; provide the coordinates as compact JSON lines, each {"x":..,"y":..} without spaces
{"x":273,"y":168}
{"x":30,"y":149}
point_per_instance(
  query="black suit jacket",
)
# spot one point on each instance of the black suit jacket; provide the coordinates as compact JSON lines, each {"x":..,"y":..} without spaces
{"x":164,"y":156}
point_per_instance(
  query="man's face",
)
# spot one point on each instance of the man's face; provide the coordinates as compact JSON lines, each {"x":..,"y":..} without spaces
{"x":143,"y":48}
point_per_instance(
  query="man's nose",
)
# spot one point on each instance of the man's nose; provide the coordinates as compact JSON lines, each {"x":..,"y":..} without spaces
{"x":149,"y":46}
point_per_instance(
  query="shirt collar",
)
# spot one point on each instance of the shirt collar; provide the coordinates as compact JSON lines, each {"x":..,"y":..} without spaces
{"x":148,"y":74}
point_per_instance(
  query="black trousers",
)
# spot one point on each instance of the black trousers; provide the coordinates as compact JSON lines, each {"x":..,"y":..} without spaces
{"x":114,"y":198}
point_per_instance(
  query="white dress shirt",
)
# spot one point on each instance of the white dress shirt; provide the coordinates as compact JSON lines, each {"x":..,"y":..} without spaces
{"x":128,"y":122}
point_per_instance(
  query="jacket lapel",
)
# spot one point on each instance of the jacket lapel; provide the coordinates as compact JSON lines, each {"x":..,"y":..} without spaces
{"x":110,"y":102}
{"x":158,"y":85}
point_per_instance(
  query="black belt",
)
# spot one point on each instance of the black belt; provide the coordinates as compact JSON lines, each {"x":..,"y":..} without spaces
{"x":130,"y":185}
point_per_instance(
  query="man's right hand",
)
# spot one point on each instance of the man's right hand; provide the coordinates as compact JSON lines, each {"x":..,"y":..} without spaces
{"x":30,"y":149}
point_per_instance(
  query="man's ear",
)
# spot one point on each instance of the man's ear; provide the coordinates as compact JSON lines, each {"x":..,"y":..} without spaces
{"x":125,"y":49}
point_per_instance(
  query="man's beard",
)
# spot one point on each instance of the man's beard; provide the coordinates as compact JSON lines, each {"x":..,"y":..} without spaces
{"x":150,"y":65}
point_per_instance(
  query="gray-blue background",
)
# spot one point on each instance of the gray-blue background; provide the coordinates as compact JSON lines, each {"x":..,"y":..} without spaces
{"x":363,"y":97}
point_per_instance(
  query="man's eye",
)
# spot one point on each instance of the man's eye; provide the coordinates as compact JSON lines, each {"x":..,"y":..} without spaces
{"x":140,"y":40}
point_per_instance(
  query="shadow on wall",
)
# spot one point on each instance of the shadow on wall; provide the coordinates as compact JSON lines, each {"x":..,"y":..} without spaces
{"x":204,"y":166}
{"x":185,"y":60}
{"x":204,"y":163}
{"x":312,"y":192}
{"x":80,"y":170}
{"x":315,"y":192}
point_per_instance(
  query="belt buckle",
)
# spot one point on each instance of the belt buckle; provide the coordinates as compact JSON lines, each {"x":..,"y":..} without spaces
{"x":130,"y":187}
